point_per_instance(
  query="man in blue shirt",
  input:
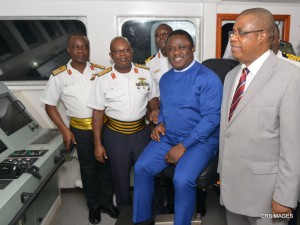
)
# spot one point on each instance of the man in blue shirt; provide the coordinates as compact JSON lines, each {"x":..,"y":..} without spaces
{"x":187,"y":133}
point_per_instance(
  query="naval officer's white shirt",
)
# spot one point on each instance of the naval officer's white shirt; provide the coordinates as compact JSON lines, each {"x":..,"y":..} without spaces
{"x":158,"y":65}
{"x":280,"y":55}
{"x":73,"y":88}
{"x":124,"y":96}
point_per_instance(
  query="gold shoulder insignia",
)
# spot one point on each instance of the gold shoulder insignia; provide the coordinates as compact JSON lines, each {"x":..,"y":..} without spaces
{"x":98,"y":66}
{"x":104,"y":72}
{"x":59,"y":70}
{"x":141,"y":66}
{"x":148,"y":60}
{"x":291,"y":57}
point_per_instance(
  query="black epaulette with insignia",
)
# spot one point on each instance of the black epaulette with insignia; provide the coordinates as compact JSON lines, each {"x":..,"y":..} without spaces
{"x":59,"y":70}
{"x":93,"y":76}
{"x":291,"y":57}
{"x":151,"y":57}
{"x":141,"y":66}
{"x":98,"y":66}
{"x":104,"y":71}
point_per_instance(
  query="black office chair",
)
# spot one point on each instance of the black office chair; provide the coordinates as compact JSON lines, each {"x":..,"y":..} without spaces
{"x":220,"y":66}
{"x":207,"y":178}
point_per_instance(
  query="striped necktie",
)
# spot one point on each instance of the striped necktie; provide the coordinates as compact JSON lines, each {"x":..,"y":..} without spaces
{"x":238,"y":92}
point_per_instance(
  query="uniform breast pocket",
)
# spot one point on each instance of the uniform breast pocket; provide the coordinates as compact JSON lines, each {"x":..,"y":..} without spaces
{"x":114,"y":92}
{"x":143,"y":90}
{"x":70,"y":89}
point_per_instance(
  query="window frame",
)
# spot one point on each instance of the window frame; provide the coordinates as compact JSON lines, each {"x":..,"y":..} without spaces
{"x":196,"y":21}
{"x":221,"y":18}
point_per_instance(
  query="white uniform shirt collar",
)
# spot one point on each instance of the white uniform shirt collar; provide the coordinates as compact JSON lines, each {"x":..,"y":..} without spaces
{"x":87,"y":66}
{"x":128,"y":73}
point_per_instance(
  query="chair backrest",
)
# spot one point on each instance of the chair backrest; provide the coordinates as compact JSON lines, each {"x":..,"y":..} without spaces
{"x":220,"y":66}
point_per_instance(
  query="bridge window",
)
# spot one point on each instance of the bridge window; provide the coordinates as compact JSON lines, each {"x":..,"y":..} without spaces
{"x":32,"y":49}
{"x":4,"y":47}
{"x":51,"y":28}
{"x":140,"y":33}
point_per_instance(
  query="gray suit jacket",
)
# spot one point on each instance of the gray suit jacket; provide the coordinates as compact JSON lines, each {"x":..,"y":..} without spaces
{"x":260,"y":146}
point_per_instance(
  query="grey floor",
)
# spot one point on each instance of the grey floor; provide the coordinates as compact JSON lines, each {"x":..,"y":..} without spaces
{"x":73,"y":211}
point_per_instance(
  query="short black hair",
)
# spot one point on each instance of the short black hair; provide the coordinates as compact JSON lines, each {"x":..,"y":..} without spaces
{"x":79,"y":35}
{"x":181,"y":32}
{"x":169,"y":28}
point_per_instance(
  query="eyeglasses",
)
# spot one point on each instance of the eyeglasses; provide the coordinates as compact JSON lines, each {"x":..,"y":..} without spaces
{"x":239,"y":33}
{"x":180,"y":48}
{"x":165,"y":34}
{"x":119,"y":51}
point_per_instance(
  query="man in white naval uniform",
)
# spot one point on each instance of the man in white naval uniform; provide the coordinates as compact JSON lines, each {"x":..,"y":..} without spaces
{"x":123,"y":91}
{"x":287,"y":57}
{"x":71,"y":84}
{"x":158,"y":63}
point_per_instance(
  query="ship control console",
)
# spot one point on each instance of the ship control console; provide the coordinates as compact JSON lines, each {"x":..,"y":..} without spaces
{"x":29,"y":158}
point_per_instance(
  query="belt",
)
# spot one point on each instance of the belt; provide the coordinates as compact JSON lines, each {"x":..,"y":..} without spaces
{"x":81,"y":123}
{"x":126,"y":127}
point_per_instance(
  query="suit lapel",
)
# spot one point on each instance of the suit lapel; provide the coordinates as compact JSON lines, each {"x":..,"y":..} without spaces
{"x":260,"y":79}
{"x":228,"y":87}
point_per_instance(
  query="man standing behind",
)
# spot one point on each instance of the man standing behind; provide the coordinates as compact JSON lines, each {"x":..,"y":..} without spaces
{"x":260,"y":126}
{"x":123,"y":92}
{"x":158,"y":63}
{"x":72,"y":83}
{"x":187,"y":133}
{"x":275,"y":47}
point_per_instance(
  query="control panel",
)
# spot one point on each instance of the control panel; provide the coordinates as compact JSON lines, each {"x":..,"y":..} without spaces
{"x":20,"y":161}
{"x":29,"y":159}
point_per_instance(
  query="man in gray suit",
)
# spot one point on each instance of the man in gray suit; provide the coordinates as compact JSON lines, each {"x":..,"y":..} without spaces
{"x":259,"y":133}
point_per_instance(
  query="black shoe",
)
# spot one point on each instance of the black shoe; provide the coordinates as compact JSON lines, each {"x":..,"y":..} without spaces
{"x":202,"y":212}
{"x":112,"y":211}
{"x":169,"y":209}
{"x":94,"y":216}
{"x":201,"y":203}
{"x":147,"y":222}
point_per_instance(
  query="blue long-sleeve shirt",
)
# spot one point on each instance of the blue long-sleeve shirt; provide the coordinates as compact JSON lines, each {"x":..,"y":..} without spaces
{"x":190,"y":105}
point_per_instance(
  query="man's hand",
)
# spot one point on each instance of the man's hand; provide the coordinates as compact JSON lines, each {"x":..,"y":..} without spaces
{"x":280,"y":209}
{"x":160,"y":129}
{"x":100,"y":154}
{"x":175,"y":154}
{"x":69,"y":138}
{"x":154,"y":116}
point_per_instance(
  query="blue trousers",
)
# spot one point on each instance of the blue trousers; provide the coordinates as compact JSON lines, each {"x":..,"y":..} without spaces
{"x":151,"y":162}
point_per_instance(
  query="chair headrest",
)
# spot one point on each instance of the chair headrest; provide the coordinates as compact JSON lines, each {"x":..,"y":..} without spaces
{"x":220,"y":66}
